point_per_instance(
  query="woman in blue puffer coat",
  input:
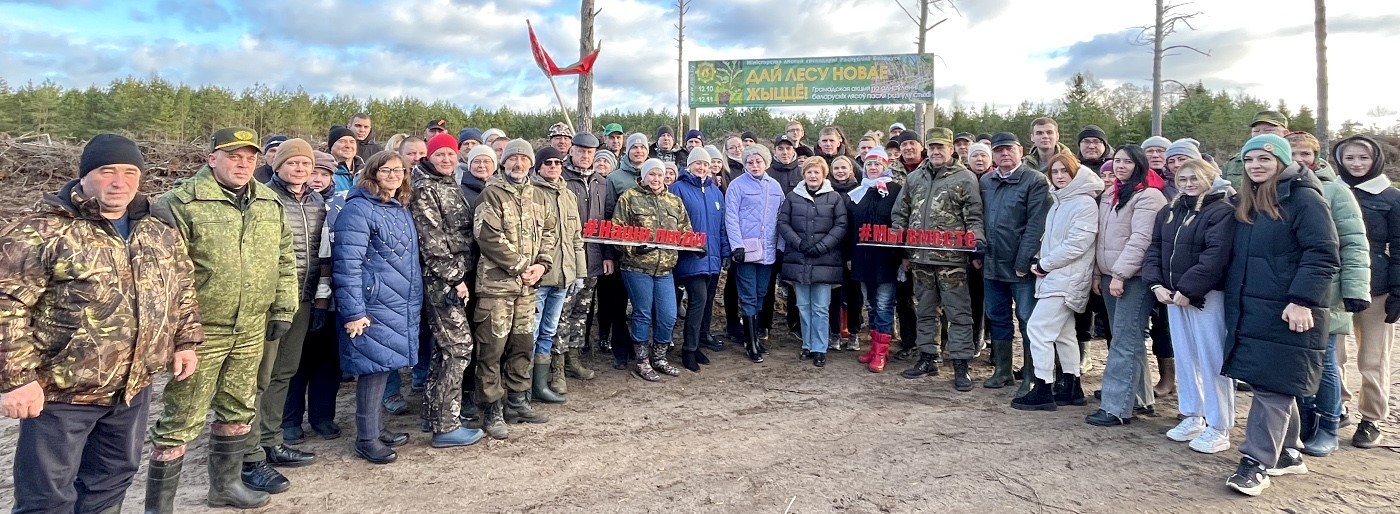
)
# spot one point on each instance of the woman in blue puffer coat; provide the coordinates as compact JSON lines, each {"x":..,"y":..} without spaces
{"x":378,"y":294}
{"x":698,"y":272}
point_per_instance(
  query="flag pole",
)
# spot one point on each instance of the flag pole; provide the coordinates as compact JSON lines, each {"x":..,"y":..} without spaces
{"x":560,"y":97}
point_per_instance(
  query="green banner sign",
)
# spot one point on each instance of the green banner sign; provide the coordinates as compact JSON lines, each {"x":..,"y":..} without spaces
{"x":861,"y":79}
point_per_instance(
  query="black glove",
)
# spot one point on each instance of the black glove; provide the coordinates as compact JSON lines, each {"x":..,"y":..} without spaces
{"x":643,"y":250}
{"x":979,"y":251}
{"x":1355,"y":304}
{"x":737,"y":256}
{"x":1392,"y":308}
{"x":319,"y":318}
{"x":277,"y":329}
{"x":815,"y":250}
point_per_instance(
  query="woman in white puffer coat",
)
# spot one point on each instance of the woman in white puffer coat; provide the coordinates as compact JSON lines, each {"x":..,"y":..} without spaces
{"x":1064,"y":271}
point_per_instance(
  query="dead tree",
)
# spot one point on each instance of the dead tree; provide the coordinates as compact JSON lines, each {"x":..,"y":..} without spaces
{"x":1168,"y":17}
{"x":925,"y":24}
{"x":587,"y":15}
{"x":682,"y":6}
{"x":1320,"y":37}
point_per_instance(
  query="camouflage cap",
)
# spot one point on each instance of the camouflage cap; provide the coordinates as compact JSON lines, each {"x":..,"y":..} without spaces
{"x":233,"y":138}
{"x":1271,"y":117}
{"x":938,"y":136}
{"x":561,"y":129}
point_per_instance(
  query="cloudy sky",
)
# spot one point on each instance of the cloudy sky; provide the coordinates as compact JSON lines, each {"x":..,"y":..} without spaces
{"x":994,"y":52}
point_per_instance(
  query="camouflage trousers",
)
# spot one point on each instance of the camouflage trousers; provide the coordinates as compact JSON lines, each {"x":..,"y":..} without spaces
{"x":226,"y":381}
{"x":505,"y":337}
{"x":447,"y":318}
{"x":573,"y":324}
{"x":946,"y":287}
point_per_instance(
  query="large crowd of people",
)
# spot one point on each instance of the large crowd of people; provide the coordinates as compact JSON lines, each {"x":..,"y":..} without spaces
{"x":459,"y":260}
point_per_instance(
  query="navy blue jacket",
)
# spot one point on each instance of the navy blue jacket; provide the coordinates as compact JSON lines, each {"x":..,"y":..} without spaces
{"x":376,"y":273}
{"x":1272,"y":263}
{"x":704,"y":202}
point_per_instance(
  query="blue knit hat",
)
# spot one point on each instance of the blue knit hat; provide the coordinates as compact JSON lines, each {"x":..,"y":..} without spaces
{"x":1270,"y":143}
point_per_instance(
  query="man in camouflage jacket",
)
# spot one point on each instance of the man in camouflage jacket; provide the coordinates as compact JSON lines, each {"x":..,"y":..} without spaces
{"x":443,"y":218}
{"x":246,"y":279}
{"x":941,"y":195}
{"x":96,"y":297}
{"x":516,"y":238}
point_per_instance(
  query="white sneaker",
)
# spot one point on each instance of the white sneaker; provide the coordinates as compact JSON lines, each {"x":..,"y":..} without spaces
{"x":1211,"y":441}
{"x":1188,"y":429}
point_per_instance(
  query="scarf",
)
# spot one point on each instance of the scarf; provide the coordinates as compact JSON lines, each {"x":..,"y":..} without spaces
{"x":1152,"y":180}
{"x":880,"y":184}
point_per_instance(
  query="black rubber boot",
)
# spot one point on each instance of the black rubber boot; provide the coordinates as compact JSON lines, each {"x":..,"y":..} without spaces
{"x":1324,"y":440}
{"x":539,"y":382}
{"x":1039,"y":397}
{"x":162,"y":480}
{"x":751,"y":345}
{"x":226,"y":487}
{"x":1027,"y":371}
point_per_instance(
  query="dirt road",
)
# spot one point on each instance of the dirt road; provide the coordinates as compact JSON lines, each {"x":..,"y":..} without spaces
{"x":784,"y":436}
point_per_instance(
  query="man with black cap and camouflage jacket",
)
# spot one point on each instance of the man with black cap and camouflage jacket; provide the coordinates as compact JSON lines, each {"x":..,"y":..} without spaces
{"x":96,"y":297}
{"x":246,"y":275}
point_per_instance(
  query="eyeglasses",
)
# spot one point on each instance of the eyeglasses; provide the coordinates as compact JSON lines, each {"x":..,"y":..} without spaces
{"x":553,"y":162}
{"x":393,"y":171}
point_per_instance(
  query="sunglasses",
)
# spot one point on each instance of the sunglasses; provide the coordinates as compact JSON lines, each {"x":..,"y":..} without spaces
{"x":553,"y":162}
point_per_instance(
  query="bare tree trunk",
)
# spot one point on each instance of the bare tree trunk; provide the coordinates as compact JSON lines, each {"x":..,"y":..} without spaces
{"x":681,"y":7}
{"x":919,"y":109}
{"x":1157,"y":70}
{"x":1320,"y":35}
{"x":587,"y":16}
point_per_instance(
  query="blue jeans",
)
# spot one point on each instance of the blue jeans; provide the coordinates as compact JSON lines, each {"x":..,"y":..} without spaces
{"x":814,"y":305}
{"x":1125,"y":378}
{"x":753,"y":283}
{"x":997,"y":301}
{"x":1328,"y":401}
{"x":880,"y":305}
{"x":653,"y":306}
{"x":549,"y":304}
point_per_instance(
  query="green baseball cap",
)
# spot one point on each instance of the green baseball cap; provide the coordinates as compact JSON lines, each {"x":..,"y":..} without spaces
{"x":1271,"y":117}
{"x":939,"y":136}
{"x":233,"y":138}
{"x":613,"y":128}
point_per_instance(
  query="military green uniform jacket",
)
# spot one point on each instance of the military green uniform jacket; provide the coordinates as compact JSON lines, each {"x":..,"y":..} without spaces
{"x":90,"y":316}
{"x":570,"y":260}
{"x":513,"y":231}
{"x":444,"y":222}
{"x":1233,"y":171}
{"x":940,"y":198}
{"x":245,"y":269}
{"x":642,"y":207}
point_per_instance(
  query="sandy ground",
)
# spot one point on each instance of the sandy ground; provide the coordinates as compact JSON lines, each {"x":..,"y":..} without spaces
{"x":784,"y":436}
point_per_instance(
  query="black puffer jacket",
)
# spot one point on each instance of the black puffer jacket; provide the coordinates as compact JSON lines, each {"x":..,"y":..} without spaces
{"x":788,"y":175}
{"x":820,"y":219}
{"x":1192,"y":238}
{"x":1272,"y":263}
{"x":873,"y":265}
{"x":1380,"y":209}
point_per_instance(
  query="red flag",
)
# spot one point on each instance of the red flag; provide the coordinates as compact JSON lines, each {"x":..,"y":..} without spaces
{"x":547,"y":65}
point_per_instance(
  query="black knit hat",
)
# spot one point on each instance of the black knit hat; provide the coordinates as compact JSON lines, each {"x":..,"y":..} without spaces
{"x":338,"y":132}
{"x":109,"y":149}
{"x":1095,"y":132}
{"x":664,"y":129}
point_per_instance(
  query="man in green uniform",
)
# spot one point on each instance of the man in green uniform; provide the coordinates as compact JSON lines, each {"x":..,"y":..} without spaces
{"x":246,"y":282}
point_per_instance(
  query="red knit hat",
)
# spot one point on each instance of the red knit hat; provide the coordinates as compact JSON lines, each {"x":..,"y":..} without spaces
{"x":440,"y":141}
